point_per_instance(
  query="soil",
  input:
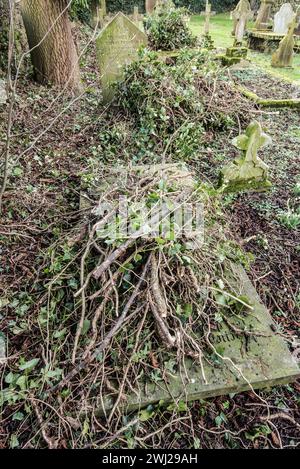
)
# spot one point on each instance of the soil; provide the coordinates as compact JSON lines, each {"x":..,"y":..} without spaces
{"x":265,"y":85}
{"x":42,"y":202}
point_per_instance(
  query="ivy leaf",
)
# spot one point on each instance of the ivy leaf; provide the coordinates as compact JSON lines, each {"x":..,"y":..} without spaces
{"x":146,"y":414}
{"x":29,"y":365}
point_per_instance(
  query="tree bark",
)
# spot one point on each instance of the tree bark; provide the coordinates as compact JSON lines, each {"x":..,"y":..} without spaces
{"x":53,"y":52}
{"x":4,"y":30}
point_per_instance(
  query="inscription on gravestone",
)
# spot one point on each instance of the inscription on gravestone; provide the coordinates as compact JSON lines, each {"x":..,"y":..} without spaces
{"x":117,"y":45}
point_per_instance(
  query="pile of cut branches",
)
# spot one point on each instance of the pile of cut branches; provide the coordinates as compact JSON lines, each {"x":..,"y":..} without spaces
{"x":144,"y":298}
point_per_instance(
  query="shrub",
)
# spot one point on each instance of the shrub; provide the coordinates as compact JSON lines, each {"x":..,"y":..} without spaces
{"x":167,"y":28}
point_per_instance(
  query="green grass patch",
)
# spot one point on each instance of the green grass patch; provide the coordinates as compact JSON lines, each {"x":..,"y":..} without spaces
{"x":220,"y":29}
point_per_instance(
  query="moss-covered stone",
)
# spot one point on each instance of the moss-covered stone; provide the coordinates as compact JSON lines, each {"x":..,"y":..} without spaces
{"x":240,"y":52}
{"x":227,"y":61}
{"x":283,"y":57}
{"x":243,"y":363}
{"x":117,"y":45}
{"x":275,"y":103}
{"x":249,"y":171}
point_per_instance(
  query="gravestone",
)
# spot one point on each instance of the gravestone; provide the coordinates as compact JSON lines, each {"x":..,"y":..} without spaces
{"x":137,"y":17}
{"x":283,"y":18}
{"x":263,"y":15}
{"x":239,"y":363}
{"x":241,"y":15}
{"x":103,"y":7}
{"x":242,"y":7}
{"x":97,"y":15}
{"x":149,"y":6}
{"x":3,"y":95}
{"x":283,"y":56}
{"x":117,"y":45}
{"x":243,"y":353}
{"x":249,"y":171}
{"x":207,"y":14}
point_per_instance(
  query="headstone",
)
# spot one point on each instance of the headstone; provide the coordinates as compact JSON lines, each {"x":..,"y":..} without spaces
{"x":117,"y":45}
{"x":263,"y":15}
{"x":137,"y":18}
{"x":242,"y":6}
{"x":283,"y":18}
{"x":3,"y":95}
{"x":241,"y":15}
{"x":249,"y":171}
{"x":239,"y":363}
{"x":283,"y":56}
{"x":207,"y":18}
{"x":97,"y":15}
{"x":103,"y":7}
{"x":244,"y":352}
{"x":149,"y":6}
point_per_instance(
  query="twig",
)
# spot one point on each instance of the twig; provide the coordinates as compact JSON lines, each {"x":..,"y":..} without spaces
{"x":113,"y":331}
{"x":11,"y":100}
{"x":280,"y":415}
{"x":52,"y":444}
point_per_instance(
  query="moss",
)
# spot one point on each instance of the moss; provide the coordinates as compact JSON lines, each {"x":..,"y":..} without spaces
{"x":237,"y":52}
{"x":227,"y":61}
{"x":292,"y":103}
{"x":277,"y":103}
{"x":243,"y":185}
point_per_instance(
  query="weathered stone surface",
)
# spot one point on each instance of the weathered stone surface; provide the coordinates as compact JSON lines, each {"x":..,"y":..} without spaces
{"x":238,"y":362}
{"x":241,"y":14}
{"x":234,"y":55}
{"x":283,"y":57}
{"x":117,"y":45}
{"x":263,"y":15}
{"x":97,"y":15}
{"x":240,"y":52}
{"x":249,"y":171}
{"x":268,"y":41}
{"x":3,"y":96}
{"x":283,"y":18}
{"x":207,"y":14}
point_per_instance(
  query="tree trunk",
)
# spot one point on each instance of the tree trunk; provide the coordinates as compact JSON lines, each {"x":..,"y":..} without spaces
{"x":53,"y":52}
{"x":4,"y":29}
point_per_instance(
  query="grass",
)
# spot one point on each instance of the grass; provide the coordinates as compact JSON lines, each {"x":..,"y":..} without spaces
{"x":220,"y":28}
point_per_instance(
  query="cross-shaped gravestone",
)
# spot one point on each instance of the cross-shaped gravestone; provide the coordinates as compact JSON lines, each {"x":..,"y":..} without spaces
{"x":249,"y":171}
{"x":241,"y":15}
{"x":207,"y":15}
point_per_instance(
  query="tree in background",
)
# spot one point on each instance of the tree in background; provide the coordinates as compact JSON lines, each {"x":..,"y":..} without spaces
{"x":53,"y":52}
{"x":4,"y":29}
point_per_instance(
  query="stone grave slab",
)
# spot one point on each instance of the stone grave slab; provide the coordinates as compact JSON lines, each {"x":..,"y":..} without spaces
{"x":235,"y":362}
{"x":261,"y":360}
{"x":117,"y":45}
